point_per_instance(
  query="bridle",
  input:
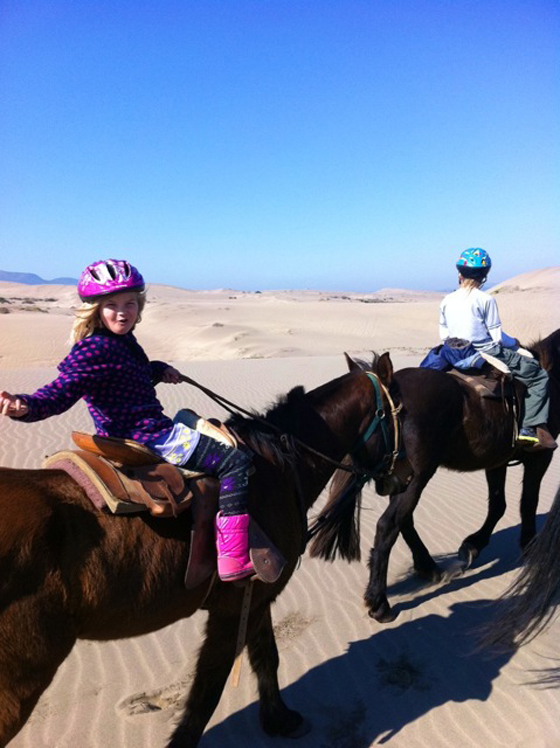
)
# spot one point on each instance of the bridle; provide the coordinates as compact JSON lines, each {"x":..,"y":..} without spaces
{"x":386,"y":465}
{"x":291,"y":443}
{"x":394,"y":450}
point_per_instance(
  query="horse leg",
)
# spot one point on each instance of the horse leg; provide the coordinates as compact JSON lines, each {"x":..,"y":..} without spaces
{"x":213,"y":667}
{"x":36,"y":636}
{"x":395,"y":518}
{"x":535,"y":466}
{"x":424,"y":564}
{"x":473,"y":544}
{"x":275,"y":717}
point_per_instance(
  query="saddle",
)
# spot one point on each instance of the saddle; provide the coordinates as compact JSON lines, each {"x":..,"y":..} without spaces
{"x":121,"y":476}
{"x":489,"y":382}
{"x":495,"y":382}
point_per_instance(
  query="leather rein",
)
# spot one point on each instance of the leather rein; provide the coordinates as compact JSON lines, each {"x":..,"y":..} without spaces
{"x":384,"y":468}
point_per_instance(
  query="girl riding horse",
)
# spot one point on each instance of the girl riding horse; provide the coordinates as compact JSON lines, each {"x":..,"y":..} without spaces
{"x":110,"y":371}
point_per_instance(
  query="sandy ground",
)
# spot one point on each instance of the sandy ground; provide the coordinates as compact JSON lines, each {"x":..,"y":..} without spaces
{"x":416,"y":682}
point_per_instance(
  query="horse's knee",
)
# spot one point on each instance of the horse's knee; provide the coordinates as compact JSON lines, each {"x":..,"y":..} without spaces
{"x":528,"y":534}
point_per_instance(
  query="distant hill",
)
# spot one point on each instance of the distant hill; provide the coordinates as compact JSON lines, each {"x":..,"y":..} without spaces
{"x":31,"y":279}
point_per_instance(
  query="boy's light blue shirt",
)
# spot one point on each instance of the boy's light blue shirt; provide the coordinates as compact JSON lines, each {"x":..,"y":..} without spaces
{"x":472,"y":314}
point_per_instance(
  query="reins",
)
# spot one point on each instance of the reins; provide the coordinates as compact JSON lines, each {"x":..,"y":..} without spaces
{"x":289,"y":441}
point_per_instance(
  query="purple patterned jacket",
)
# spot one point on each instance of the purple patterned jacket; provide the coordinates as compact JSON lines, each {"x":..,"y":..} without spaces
{"x":114,"y":376}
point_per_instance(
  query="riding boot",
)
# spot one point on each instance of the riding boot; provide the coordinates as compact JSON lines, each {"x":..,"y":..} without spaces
{"x":232,"y":544}
{"x":546,"y":440}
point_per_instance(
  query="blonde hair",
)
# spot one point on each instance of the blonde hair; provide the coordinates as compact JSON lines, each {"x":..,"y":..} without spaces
{"x":88,"y":320}
{"x":470,"y":283}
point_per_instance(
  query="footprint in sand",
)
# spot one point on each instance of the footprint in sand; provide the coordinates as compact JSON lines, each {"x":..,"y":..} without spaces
{"x":173,"y":696}
{"x":168,"y":697}
{"x":291,"y":626}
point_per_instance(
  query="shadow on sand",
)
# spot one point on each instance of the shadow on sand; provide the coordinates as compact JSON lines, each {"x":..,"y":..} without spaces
{"x":388,"y":680}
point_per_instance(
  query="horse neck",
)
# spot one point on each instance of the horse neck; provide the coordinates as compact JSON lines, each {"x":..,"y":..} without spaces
{"x":341,"y":408}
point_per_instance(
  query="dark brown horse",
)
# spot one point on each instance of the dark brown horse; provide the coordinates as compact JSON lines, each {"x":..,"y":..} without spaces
{"x":68,"y":572}
{"x":447,"y":424}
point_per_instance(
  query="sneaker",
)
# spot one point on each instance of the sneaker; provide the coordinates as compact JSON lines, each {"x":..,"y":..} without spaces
{"x":538,"y":437}
{"x":528,"y":434}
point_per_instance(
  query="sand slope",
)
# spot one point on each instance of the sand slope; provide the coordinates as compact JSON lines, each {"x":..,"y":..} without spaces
{"x":416,"y":682}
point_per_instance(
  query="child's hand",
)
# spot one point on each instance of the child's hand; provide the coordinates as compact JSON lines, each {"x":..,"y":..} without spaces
{"x":12,"y":406}
{"x":171,"y":376}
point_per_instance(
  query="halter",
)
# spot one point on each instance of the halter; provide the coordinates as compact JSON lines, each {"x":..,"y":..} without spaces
{"x":290,"y":442}
{"x":379,"y":419}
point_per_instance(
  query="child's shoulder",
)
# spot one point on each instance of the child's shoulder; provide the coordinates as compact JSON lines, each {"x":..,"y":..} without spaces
{"x":96,"y":346}
{"x":95,"y":341}
{"x":483,"y":295}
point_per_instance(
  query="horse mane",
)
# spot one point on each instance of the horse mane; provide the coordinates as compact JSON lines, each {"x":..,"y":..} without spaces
{"x":547,"y":351}
{"x":367,"y":365}
{"x":261,"y":432}
{"x":337,"y":527}
{"x":294,"y":414}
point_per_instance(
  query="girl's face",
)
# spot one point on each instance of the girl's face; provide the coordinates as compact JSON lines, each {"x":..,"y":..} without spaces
{"x":119,"y":313}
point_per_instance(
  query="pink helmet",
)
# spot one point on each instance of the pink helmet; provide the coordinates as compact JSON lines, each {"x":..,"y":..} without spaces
{"x":108,"y":276}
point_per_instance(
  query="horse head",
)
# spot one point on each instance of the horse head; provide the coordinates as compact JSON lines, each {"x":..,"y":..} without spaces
{"x":377,"y":455}
{"x":393,"y":472}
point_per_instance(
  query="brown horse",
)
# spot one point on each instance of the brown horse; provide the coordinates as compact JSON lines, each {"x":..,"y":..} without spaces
{"x":69,"y":572}
{"x":446,"y":423}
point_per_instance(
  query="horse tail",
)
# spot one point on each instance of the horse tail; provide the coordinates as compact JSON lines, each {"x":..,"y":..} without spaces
{"x":529,"y":604}
{"x":337,"y":528}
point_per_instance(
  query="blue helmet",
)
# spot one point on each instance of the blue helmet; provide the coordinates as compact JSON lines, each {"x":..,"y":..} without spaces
{"x":474,"y":263}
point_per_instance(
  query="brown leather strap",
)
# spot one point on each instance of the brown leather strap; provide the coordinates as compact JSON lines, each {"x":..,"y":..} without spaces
{"x":202,"y":553}
{"x":159,"y":488}
{"x":125,"y":451}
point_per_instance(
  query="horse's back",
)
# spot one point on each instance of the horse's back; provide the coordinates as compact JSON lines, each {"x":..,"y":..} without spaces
{"x":448,"y":423}
{"x":429,"y":393}
{"x":98,"y":566}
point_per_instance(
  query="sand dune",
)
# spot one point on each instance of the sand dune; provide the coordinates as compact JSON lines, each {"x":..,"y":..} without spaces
{"x":413,"y":683}
{"x":185,"y":325}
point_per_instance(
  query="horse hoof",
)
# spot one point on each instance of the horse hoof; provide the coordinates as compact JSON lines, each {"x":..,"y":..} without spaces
{"x":467,"y":554}
{"x":292,"y":725}
{"x":433,"y":575}
{"x":456,"y":570}
{"x":386,"y":615}
{"x":303,"y":729}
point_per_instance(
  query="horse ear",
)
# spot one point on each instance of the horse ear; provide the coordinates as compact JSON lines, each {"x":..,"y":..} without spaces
{"x":385,"y":369}
{"x":352,"y":365}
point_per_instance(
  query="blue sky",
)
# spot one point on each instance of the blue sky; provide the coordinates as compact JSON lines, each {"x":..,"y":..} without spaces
{"x":249,"y":144}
